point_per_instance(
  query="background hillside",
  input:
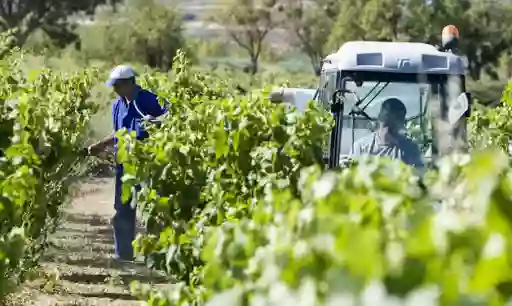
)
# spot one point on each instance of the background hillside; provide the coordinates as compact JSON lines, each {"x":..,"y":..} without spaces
{"x":275,"y":40}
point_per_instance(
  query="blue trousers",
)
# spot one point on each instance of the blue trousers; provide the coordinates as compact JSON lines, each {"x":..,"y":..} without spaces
{"x":123,"y":222}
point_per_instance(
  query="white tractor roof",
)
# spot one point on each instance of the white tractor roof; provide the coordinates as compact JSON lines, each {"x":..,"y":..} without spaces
{"x":399,"y":57}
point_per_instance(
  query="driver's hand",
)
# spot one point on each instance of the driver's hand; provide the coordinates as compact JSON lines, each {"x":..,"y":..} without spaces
{"x":349,"y":160}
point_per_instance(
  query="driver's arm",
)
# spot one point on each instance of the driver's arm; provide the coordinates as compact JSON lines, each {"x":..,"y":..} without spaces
{"x":414,"y":156}
{"x":356,"y":150}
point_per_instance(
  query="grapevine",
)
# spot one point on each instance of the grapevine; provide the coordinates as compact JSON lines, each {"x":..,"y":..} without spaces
{"x":44,"y":118}
{"x":239,"y":209}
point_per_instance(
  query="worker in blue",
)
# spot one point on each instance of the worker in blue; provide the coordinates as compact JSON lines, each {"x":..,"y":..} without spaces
{"x":130,"y":110}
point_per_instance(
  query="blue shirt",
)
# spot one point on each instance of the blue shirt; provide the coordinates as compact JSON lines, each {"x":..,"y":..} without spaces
{"x":403,"y":148}
{"x":126,"y":115}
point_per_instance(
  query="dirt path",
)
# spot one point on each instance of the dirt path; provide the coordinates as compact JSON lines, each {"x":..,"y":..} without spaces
{"x":77,"y":268}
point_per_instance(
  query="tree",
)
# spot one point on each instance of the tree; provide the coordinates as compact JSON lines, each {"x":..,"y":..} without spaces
{"x":311,"y":23}
{"x":248,"y":23}
{"x":487,"y":93}
{"x":147,"y":30}
{"x":346,"y":26}
{"x":379,"y":20}
{"x":51,"y":16}
{"x":485,"y":36}
{"x":382,"y":19}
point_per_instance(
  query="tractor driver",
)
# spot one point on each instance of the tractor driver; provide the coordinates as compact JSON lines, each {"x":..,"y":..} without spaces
{"x":390,"y":139}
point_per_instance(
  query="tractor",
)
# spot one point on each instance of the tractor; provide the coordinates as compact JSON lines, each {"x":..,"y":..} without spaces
{"x":355,"y":80}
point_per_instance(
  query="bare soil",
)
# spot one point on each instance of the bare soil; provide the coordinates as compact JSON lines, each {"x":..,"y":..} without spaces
{"x":78,"y":268}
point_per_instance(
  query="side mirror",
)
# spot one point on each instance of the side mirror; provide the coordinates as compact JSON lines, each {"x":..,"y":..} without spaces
{"x":459,"y":108}
{"x":282,"y":95}
{"x":470,"y":103}
{"x":276,"y":96}
{"x":449,"y":38}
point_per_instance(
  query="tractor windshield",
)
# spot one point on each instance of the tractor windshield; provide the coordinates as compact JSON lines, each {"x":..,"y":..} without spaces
{"x":372,"y":94}
{"x":364,"y":100}
{"x":422,"y":100}
{"x":361,"y":111}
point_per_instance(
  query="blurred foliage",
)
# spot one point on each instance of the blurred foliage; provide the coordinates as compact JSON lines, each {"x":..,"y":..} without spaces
{"x":492,"y":127}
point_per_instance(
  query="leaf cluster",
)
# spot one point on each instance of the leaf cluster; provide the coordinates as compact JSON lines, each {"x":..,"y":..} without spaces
{"x":240,"y":210}
{"x":44,"y":121}
{"x":209,"y":161}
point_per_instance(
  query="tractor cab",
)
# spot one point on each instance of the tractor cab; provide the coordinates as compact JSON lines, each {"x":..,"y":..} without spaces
{"x":429,"y":81}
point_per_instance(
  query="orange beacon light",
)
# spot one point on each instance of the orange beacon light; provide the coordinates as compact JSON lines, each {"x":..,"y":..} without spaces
{"x":450,"y":30}
{"x":449,"y":37}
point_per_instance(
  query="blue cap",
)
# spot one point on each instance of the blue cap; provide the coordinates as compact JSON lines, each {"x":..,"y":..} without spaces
{"x":120,"y":72}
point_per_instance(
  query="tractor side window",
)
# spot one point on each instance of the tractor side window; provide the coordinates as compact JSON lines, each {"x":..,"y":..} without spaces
{"x":322,"y":96}
{"x":331,"y":85}
{"x":327,"y":88}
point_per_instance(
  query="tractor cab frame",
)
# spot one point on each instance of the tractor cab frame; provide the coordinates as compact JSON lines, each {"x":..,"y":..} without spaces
{"x":355,"y":81}
{"x":430,"y":83}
